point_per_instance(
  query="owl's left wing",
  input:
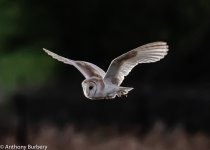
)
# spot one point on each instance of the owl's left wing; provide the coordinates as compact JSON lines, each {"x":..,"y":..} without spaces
{"x":87,"y":69}
{"x":122,"y":65}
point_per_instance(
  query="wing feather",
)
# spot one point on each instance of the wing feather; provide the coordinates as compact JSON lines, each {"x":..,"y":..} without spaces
{"x":87,"y":69}
{"x":122,"y":65}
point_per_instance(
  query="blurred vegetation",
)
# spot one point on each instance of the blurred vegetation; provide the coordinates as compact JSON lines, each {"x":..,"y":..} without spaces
{"x":22,"y":60}
{"x":113,"y":138}
{"x":24,"y":67}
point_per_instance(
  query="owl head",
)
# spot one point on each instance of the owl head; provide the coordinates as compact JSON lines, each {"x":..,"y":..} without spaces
{"x":89,"y":88}
{"x":93,"y":87}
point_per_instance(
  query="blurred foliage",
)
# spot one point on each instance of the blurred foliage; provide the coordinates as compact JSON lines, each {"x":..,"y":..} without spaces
{"x":24,"y":67}
{"x":112,"y":138}
{"x":22,"y":61}
{"x":9,"y":15}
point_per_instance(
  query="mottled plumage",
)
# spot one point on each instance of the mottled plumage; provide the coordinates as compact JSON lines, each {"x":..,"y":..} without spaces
{"x":101,"y":85}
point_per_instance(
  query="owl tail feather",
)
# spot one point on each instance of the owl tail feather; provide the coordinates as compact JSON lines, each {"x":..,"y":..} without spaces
{"x":124,"y":91}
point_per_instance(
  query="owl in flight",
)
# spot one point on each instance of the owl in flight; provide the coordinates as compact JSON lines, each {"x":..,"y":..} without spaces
{"x":101,"y":85}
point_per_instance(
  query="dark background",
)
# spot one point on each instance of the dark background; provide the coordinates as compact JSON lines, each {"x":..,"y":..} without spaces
{"x":34,"y":88}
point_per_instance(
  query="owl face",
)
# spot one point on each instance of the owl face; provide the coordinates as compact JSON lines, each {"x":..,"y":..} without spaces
{"x":89,"y":88}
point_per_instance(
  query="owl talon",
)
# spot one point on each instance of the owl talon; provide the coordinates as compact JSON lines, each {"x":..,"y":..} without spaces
{"x":121,"y":93}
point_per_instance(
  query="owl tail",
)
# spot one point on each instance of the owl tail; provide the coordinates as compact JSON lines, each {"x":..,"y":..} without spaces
{"x":124,"y":91}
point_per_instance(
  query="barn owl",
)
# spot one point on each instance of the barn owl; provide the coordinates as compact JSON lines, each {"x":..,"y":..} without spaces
{"x":101,"y":85}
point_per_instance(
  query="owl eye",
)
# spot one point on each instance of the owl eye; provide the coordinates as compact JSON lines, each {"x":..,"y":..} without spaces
{"x":90,"y":87}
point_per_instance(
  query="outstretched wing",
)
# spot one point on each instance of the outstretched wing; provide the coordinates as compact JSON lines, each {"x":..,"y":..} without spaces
{"x":87,"y":69}
{"x":122,"y":65}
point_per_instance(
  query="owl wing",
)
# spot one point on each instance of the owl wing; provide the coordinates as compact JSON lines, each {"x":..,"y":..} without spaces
{"x":87,"y":69}
{"x":122,"y":65}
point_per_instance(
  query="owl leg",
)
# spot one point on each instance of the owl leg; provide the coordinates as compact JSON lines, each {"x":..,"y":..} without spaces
{"x":120,"y":93}
{"x":123,"y":91}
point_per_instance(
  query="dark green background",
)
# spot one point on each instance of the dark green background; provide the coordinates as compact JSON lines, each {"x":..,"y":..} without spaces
{"x":34,"y":88}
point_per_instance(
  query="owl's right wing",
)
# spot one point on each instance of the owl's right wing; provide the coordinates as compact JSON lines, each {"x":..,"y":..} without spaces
{"x":87,"y":69}
{"x":122,"y":65}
